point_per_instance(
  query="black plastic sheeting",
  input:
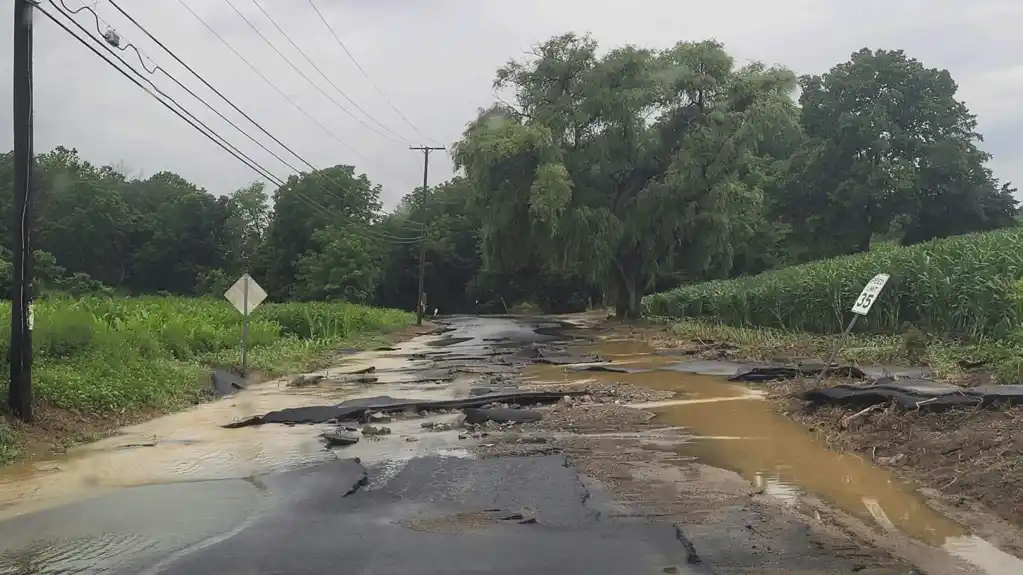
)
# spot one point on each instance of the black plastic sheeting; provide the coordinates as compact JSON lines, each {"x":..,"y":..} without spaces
{"x":913,"y":393}
{"x":356,"y":409}
{"x":225,"y":382}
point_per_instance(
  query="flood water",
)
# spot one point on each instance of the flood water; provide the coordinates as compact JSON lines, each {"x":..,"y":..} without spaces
{"x":192,"y":446}
{"x":732,"y":427}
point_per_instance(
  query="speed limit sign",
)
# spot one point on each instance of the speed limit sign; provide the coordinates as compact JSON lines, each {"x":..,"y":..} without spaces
{"x":869,"y":294}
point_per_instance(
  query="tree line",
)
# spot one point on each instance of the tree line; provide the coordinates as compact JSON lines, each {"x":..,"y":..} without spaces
{"x":597,"y":176}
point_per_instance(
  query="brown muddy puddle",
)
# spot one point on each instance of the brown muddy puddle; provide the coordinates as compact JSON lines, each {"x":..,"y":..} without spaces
{"x":192,"y":446}
{"x":728,"y":425}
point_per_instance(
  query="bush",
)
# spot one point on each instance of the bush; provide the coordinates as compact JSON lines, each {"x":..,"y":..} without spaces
{"x":966,"y":286}
{"x":110,"y":354}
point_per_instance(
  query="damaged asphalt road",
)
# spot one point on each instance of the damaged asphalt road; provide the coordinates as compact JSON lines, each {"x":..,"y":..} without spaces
{"x":427,"y":506}
{"x":441,"y":515}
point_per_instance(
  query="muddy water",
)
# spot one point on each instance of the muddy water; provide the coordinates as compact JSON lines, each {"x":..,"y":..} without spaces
{"x":192,"y":445}
{"x":732,"y":427}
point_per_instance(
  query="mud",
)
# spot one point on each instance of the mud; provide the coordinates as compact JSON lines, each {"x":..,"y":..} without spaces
{"x":710,"y":421}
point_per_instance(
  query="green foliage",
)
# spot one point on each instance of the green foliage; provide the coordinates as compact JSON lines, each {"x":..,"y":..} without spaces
{"x":106,"y":354}
{"x":618,"y":166}
{"x":965,"y":287}
{"x":340,"y":266}
{"x":889,"y":149}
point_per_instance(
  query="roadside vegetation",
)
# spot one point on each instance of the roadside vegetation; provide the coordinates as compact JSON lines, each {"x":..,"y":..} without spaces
{"x":105,"y":357}
{"x":948,"y":301}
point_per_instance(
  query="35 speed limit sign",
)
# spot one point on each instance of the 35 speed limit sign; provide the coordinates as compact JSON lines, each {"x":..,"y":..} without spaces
{"x":869,"y":294}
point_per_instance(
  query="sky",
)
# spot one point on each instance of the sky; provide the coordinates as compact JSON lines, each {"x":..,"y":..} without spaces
{"x":434,"y":62}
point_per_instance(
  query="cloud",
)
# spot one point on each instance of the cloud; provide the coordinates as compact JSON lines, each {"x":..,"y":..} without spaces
{"x":435,"y":61}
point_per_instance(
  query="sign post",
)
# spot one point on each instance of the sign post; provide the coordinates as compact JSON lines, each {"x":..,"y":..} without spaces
{"x":245,"y":295}
{"x":860,"y":308}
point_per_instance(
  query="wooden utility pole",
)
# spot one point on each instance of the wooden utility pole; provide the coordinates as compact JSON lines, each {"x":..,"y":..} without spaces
{"x":20,"y":389}
{"x":422,"y":243}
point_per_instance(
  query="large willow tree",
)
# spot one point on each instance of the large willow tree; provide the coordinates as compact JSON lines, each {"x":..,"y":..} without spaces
{"x":624,"y":165}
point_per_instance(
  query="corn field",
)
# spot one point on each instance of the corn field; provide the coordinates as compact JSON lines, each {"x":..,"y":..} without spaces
{"x":963,"y":287}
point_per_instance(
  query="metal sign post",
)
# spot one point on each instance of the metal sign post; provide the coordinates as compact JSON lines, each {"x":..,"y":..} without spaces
{"x":245,"y":295}
{"x":862,"y":307}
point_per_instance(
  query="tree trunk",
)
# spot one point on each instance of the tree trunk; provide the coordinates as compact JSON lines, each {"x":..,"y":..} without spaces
{"x":628,"y":295}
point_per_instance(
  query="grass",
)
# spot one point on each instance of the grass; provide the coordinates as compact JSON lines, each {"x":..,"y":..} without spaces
{"x":109,"y":356}
{"x":961,"y":296}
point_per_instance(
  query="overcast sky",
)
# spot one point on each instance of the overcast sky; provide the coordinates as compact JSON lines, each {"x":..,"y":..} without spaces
{"x":435,"y":61}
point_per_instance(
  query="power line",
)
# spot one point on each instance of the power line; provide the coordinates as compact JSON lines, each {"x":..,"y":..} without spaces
{"x":395,"y":138}
{"x":252,"y":67}
{"x":156,"y":68}
{"x":351,"y":57}
{"x":204,"y":129}
{"x":322,"y":73}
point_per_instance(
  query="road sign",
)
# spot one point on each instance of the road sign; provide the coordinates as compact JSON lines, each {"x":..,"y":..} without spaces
{"x":861,"y":307}
{"x":869,"y":294}
{"x":245,"y":295}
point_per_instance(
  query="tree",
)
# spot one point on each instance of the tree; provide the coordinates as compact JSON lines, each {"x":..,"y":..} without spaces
{"x":617,"y":168}
{"x":341,"y":265}
{"x":247,"y":221}
{"x":888,"y":146}
{"x":307,"y":203}
{"x":83,"y":220}
{"x":179,"y":234}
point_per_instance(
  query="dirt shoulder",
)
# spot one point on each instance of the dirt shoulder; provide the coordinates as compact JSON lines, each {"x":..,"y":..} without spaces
{"x":967,"y":460}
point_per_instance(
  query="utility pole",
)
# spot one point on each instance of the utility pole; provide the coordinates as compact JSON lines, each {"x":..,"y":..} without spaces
{"x":20,"y":389}
{"x":422,"y":243}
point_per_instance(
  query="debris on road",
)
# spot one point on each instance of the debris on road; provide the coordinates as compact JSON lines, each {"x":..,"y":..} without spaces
{"x":340,"y":437}
{"x":914,"y":393}
{"x":777,"y":372}
{"x":356,"y":409}
{"x":306,"y":380}
{"x":372,"y":430}
{"x":225,"y":383}
{"x":501,"y":415}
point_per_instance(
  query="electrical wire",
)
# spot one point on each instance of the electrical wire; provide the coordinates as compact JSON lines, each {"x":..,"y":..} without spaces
{"x":252,"y":67}
{"x":396,"y":138}
{"x":358,"y":66}
{"x":322,"y":73}
{"x":200,"y":126}
{"x":157,"y":68}
{"x":255,"y":70}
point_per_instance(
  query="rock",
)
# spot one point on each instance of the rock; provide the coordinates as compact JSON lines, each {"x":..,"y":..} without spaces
{"x":370,"y":430}
{"x":463,"y":436}
{"x":533,"y":439}
{"x":377,"y":417}
{"x":340,"y":437}
{"x":411,"y":439}
{"x":305,"y":380}
{"x":566,"y":401}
